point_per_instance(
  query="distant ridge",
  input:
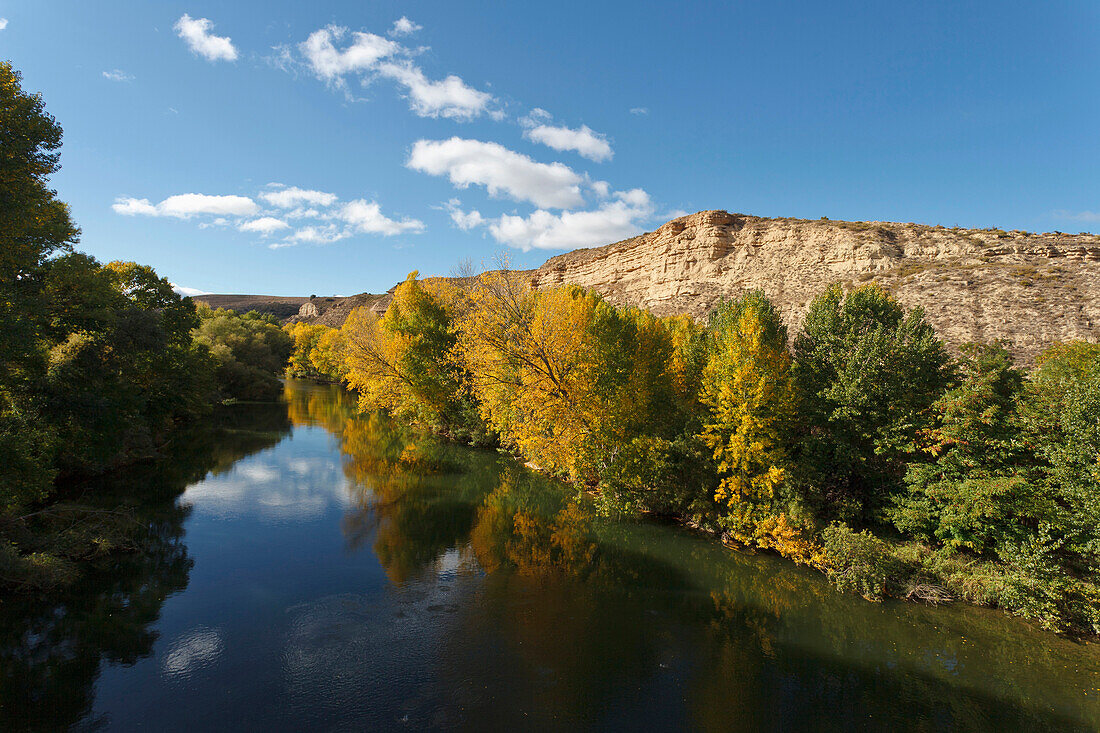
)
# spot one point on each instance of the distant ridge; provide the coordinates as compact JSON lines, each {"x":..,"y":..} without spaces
{"x":1028,"y":289}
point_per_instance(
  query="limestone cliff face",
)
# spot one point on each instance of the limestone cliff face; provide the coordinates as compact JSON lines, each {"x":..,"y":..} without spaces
{"x":975,"y":285}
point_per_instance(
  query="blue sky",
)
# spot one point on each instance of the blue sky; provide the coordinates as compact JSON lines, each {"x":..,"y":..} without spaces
{"x":331,"y":147}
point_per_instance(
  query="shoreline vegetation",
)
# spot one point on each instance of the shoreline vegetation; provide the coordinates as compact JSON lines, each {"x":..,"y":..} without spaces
{"x":860,"y":447}
{"x":100,"y":366}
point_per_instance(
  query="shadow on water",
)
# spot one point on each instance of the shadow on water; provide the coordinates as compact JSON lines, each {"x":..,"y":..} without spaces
{"x":585,"y":622}
{"x":52,"y":646}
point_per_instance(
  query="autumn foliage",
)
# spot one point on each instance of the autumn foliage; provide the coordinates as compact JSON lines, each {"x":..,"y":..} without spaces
{"x":815,"y":447}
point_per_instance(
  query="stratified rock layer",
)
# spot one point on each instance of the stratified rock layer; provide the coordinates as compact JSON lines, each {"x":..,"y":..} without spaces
{"x":974,"y":284}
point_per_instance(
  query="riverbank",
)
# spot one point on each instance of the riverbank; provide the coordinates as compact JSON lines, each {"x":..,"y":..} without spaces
{"x":861,"y":563}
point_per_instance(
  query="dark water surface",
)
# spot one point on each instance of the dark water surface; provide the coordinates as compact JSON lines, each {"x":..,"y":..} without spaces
{"x":331,"y":572}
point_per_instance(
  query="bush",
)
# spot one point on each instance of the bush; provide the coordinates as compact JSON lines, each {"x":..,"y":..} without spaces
{"x":859,"y":561}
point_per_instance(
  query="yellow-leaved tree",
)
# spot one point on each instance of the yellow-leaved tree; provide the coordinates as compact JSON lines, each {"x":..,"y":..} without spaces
{"x":306,"y":336}
{"x":748,"y":386}
{"x":405,"y":362}
{"x":530,"y":360}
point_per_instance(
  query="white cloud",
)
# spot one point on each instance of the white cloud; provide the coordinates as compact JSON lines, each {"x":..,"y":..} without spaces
{"x":303,"y":213}
{"x":585,"y":141}
{"x":189,"y":292}
{"x":404,"y":27}
{"x":196,"y":32}
{"x":3,"y":23}
{"x":330,"y":64}
{"x":500,"y":170}
{"x":287,"y":198}
{"x":326,"y":234}
{"x":134,"y":207}
{"x":118,"y":75}
{"x":464,"y":220}
{"x":186,"y":205}
{"x":639,"y":111}
{"x":367,"y":217}
{"x":611,"y":222}
{"x":326,"y":222}
{"x":371,"y":55}
{"x":265,"y":225}
{"x":467,"y":220}
{"x":450,"y":97}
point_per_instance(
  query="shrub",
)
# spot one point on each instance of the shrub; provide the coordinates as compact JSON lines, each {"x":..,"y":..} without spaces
{"x":859,"y":561}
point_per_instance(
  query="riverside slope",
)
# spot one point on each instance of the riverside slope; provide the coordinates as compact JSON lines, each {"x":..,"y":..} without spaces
{"x":1030,"y":290}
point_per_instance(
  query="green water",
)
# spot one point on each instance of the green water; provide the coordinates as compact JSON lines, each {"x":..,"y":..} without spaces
{"x":309,"y":569}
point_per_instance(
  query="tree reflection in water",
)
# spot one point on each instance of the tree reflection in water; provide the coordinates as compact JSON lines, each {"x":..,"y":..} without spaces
{"x":574,"y":606}
{"x":52,"y":646}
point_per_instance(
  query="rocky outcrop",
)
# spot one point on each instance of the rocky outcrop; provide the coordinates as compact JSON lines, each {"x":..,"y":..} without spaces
{"x":334,"y":311}
{"x":974,"y":284}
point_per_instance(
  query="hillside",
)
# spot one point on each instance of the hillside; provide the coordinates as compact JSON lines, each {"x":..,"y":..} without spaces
{"x":278,"y":306}
{"x":974,"y":284}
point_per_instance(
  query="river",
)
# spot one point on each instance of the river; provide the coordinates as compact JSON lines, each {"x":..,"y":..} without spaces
{"x":313,"y":569}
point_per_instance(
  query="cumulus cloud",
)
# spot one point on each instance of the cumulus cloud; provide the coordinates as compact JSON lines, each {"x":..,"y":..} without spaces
{"x":450,"y":97}
{"x":196,"y":32}
{"x":118,"y":75}
{"x":291,"y":197}
{"x":372,"y":56}
{"x":612,"y":221}
{"x":464,"y":220}
{"x":186,"y":205}
{"x":404,"y":27}
{"x":318,"y":217}
{"x":584,"y":141}
{"x":3,"y":23}
{"x":503,"y":172}
{"x":366,"y":217}
{"x":265,"y":225}
{"x":330,"y":64}
{"x":134,"y":207}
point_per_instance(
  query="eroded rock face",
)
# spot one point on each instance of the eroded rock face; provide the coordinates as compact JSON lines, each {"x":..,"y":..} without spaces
{"x":975,"y":285}
{"x":1031,"y":290}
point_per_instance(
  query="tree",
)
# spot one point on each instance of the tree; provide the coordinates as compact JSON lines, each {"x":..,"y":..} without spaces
{"x":34,"y":225}
{"x":1062,"y":423}
{"x":976,"y":492}
{"x":406,"y":362}
{"x":564,"y":377}
{"x":329,"y":357}
{"x":749,"y":390}
{"x":249,"y":352}
{"x":306,"y":337}
{"x":868,"y":372}
{"x":529,"y":361}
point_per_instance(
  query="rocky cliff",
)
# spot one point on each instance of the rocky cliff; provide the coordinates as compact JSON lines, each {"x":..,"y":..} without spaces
{"x":975,"y":284}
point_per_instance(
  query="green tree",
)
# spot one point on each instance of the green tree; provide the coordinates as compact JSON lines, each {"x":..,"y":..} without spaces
{"x":1062,"y":415}
{"x":868,"y":372}
{"x":976,"y":492}
{"x":250,"y":351}
{"x":34,"y":225}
